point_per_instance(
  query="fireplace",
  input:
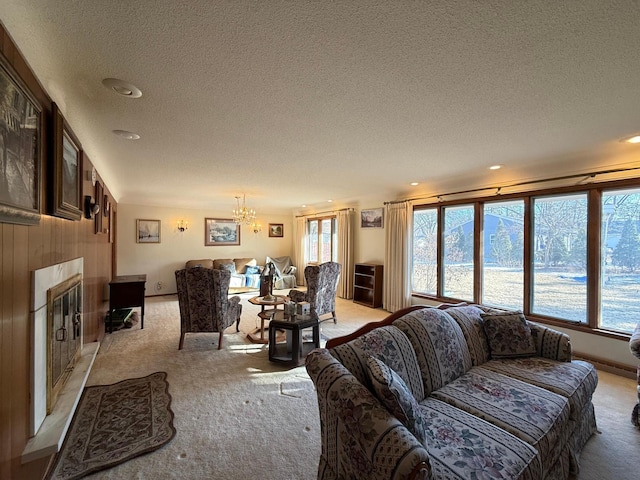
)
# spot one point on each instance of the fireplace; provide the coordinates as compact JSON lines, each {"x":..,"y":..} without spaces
{"x":64,"y":334}
{"x":60,"y":360}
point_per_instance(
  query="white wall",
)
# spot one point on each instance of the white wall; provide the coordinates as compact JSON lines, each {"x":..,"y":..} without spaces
{"x":160,"y":261}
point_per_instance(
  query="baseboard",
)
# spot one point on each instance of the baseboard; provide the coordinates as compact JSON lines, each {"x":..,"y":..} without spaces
{"x":608,"y":365}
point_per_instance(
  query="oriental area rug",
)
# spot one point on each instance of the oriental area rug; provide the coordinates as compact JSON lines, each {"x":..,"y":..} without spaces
{"x":114,"y":423}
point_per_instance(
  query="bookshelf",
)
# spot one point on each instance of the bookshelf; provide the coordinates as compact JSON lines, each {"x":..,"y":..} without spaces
{"x":367,"y":285}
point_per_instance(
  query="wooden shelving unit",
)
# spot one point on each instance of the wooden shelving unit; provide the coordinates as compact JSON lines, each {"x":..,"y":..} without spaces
{"x":367,"y":285}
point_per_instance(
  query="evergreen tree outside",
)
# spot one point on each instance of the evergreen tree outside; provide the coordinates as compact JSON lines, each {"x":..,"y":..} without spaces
{"x":501,"y":247}
{"x":627,"y":251}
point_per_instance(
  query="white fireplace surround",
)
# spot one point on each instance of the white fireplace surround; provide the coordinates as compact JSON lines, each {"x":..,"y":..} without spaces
{"x":48,"y":431}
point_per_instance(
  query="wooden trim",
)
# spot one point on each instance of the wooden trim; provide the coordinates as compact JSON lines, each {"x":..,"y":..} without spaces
{"x":594,"y":271}
{"x":616,"y":368}
{"x":478,"y":253}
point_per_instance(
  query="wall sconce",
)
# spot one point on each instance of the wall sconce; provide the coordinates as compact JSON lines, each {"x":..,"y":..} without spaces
{"x":183,"y":225}
{"x":257,"y":228}
{"x":91,"y":208}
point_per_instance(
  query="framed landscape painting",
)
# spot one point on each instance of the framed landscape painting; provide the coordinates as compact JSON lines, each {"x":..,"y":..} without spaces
{"x":276,"y":230}
{"x":221,"y":231}
{"x":67,"y":171}
{"x":371,"y":218}
{"x":147,"y":231}
{"x":20,"y":150}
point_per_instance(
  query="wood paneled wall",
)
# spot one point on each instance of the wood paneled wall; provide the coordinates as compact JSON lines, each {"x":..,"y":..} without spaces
{"x":24,"y":249}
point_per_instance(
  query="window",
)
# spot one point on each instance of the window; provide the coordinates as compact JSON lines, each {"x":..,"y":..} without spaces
{"x":620,"y":257}
{"x":560,"y":257}
{"x":425,"y":251}
{"x":458,"y":252}
{"x":322,"y":240}
{"x":567,"y":256}
{"x":502,"y":255}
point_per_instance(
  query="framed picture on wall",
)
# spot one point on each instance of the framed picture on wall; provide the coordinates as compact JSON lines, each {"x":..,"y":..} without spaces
{"x":147,"y":231}
{"x":221,"y":231}
{"x":276,"y":230}
{"x":372,"y":218}
{"x":20,"y":150}
{"x":67,"y":171}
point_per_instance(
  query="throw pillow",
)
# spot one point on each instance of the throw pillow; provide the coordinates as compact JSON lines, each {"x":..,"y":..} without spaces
{"x":228,"y":266}
{"x":508,"y":335}
{"x":396,"y":397}
{"x":252,"y":270}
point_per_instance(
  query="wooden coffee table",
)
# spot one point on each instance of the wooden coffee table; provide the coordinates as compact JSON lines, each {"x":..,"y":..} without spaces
{"x":294,"y":348}
{"x":258,"y":335}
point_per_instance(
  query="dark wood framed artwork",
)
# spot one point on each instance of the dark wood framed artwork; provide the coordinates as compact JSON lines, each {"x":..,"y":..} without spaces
{"x":221,"y":231}
{"x":20,"y":150}
{"x":67,"y":169}
{"x":276,"y":230}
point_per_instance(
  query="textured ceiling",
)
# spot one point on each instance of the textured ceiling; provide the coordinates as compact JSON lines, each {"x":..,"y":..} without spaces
{"x":295,"y":102}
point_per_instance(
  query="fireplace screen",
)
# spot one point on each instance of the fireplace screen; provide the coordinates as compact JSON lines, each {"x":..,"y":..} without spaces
{"x":64,"y":332}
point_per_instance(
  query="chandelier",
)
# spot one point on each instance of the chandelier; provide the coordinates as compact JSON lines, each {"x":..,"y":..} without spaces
{"x":243,"y":216}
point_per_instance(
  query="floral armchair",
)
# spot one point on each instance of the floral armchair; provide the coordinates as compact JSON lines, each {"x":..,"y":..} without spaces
{"x":204,"y":303}
{"x":322,"y":282}
{"x":634,"y":346}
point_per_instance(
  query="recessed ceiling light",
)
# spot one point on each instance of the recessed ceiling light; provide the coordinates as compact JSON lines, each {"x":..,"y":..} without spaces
{"x":495,"y":167}
{"x":329,"y":201}
{"x":634,"y":139}
{"x":126,"y":134}
{"x":413,"y":184}
{"x":122,"y":88}
{"x":303,"y":206}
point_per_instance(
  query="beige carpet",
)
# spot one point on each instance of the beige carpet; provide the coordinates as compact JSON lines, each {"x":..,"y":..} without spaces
{"x":239,"y":416}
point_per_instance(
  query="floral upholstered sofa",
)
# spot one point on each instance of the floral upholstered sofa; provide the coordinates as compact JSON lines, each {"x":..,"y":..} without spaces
{"x":462,"y":392}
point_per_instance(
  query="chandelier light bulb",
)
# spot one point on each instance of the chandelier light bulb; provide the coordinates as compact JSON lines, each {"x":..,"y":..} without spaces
{"x":243,"y":215}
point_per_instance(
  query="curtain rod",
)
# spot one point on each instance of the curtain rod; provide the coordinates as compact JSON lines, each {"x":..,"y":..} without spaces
{"x":328,"y":211}
{"x":517,"y":184}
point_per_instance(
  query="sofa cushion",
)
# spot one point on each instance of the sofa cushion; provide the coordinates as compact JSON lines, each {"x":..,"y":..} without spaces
{"x":508,"y":335}
{"x":389,"y":345}
{"x":231,"y":267}
{"x":242,"y":264}
{"x":394,"y":394}
{"x":575,"y":380}
{"x":533,"y":414}
{"x":252,"y":270}
{"x":205,"y":262}
{"x":470,"y":320}
{"x":439,"y":345}
{"x":462,"y":445}
{"x":218,"y":262}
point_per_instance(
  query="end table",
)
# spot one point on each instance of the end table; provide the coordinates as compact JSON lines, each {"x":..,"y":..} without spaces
{"x":295,"y":349}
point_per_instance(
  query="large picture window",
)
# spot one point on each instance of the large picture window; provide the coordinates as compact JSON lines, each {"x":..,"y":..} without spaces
{"x":620,"y":246}
{"x":567,"y":256}
{"x":560,"y":257}
{"x":502,"y":254}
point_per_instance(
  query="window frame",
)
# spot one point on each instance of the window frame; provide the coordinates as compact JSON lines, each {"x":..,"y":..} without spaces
{"x":332,"y":237}
{"x":594,"y":193}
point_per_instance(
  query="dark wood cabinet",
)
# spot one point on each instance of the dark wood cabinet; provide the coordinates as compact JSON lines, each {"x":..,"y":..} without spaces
{"x":367,"y":285}
{"x":126,"y":291}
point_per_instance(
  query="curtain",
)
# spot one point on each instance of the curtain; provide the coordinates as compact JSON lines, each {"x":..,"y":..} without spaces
{"x":397,"y":256}
{"x":299,"y":249}
{"x":345,"y":252}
